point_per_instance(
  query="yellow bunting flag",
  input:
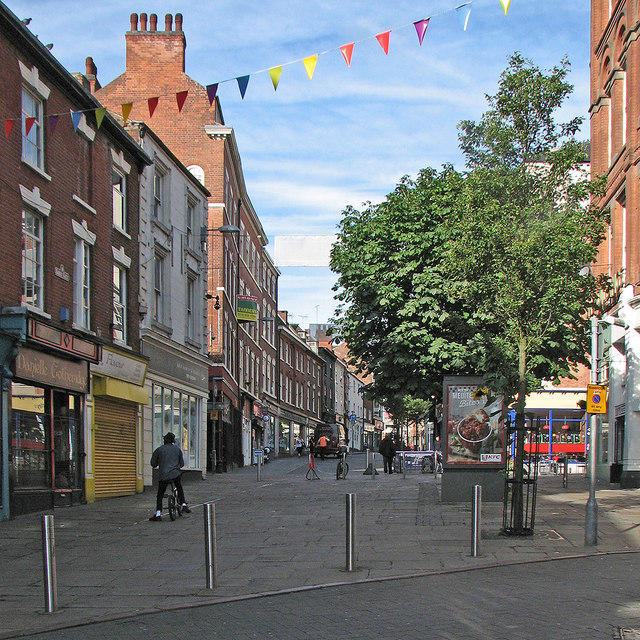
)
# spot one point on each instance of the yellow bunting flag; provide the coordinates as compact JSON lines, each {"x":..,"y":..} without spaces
{"x":100,"y":115}
{"x":275,"y":76}
{"x":310,"y":65}
{"x":126,"y":110}
{"x":505,"y":5}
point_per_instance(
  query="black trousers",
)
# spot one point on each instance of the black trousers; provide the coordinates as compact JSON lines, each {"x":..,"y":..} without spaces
{"x":388,"y":464}
{"x":162,"y":486}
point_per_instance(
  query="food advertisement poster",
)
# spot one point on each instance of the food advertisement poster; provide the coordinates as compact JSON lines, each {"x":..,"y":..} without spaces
{"x":474,"y":433}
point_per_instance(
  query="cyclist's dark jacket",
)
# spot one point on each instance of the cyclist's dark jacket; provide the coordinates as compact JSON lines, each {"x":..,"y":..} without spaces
{"x":169,"y":460}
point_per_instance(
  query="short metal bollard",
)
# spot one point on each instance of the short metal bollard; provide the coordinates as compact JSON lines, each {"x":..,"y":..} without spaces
{"x":404,"y":466}
{"x":49,"y":565}
{"x":259,"y":455}
{"x":210,"y":545}
{"x":351,"y":532}
{"x":476,"y":520}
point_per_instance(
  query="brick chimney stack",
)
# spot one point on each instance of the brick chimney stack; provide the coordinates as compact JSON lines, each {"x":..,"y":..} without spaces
{"x":150,"y":51}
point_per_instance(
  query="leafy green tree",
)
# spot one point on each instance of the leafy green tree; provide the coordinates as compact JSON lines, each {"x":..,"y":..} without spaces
{"x":396,"y":314}
{"x":524,"y":235}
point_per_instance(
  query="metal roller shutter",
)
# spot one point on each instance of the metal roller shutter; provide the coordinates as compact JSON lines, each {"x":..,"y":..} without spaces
{"x":115,"y":448}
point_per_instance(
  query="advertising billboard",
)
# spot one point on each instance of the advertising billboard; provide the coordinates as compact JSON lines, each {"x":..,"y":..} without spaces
{"x":474,"y":433}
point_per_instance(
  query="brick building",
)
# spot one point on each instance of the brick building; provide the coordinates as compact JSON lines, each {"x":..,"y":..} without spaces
{"x":240,"y":272}
{"x":69,"y":422}
{"x":615,"y":153}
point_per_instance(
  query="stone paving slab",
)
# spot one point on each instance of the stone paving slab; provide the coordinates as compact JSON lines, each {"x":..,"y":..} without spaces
{"x":281,"y":533}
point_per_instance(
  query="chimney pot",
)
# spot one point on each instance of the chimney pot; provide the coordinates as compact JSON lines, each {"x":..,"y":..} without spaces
{"x":178,"y":22}
{"x":143,"y":22}
{"x":154,"y":22}
{"x":168,"y":20}
{"x":134,"y":22}
{"x":90,"y":67}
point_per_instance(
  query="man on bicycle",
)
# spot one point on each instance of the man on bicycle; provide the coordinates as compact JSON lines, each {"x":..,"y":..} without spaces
{"x":169,"y":460}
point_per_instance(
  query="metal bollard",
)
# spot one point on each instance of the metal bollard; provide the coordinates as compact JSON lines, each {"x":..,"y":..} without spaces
{"x":404,"y":466}
{"x":49,"y":565}
{"x":476,"y":517}
{"x":259,"y":465}
{"x":367,"y":458}
{"x":351,"y":532}
{"x":210,"y":545}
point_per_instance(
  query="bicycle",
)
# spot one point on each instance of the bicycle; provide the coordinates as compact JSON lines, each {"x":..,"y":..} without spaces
{"x":174,"y":505}
{"x":343,"y":468}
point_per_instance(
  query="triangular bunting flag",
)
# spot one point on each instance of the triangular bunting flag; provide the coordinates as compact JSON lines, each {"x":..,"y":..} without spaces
{"x":76,"y":116}
{"x":275,"y":76}
{"x":152,"y":103}
{"x":181,"y":96}
{"x":28,"y":123}
{"x":243,"y":82}
{"x":383,"y":39}
{"x":100,"y":115}
{"x":464,"y":11}
{"x":347,"y":52}
{"x":421,"y":28}
{"x":126,"y":110}
{"x":53,"y":122}
{"x":505,"y":5}
{"x":310,"y":65}
{"x":8,"y":125}
{"x":212,"y":89}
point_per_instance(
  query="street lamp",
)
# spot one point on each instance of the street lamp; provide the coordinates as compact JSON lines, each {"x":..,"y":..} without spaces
{"x":591,"y":512}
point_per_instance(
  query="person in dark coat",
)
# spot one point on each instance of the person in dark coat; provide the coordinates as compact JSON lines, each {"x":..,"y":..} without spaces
{"x":169,"y":460}
{"x":387,"y":450}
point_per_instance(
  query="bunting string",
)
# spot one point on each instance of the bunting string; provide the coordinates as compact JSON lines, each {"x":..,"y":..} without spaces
{"x":309,"y":62}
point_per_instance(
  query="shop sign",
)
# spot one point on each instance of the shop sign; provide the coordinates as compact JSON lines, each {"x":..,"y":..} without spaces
{"x":48,"y":370}
{"x":474,"y":427}
{"x":596,"y":398}
{"x":63,"y":340}
{"x":118,"y":365}
{"x":175,"y":366}
{"x":247,"y":309}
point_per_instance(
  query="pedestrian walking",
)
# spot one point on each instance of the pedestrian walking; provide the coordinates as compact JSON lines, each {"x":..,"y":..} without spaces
{"x":387,"y":451}
{"x":299,"y":445}
{"x":169,"y":460}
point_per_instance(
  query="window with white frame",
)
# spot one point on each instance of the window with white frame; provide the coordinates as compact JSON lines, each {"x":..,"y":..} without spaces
{"x":32,"y":243}
{"x":119,"y":303}
{"x":82,"y":283}
{"x":159,"y":287}
{"x":32,"y":129}
{"x":192,"y":310}
{"x":160,"y":192}
{"x":191,"y":221}
{"x":118,"y":183}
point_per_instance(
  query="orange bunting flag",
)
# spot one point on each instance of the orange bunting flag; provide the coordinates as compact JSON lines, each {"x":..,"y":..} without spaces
{"x":152,"y":103}
{"x":8,"y":125}
{"x":28,"y":123}
{"x":383,"y":39}
{"x":181,"y":96}
{"x":505,"y":5}
{"x":100,"y":115}
{"x":275,"y":76}
{"x":310,"y":65}
{"x":347,"y":52}
{"x":126,"y":110}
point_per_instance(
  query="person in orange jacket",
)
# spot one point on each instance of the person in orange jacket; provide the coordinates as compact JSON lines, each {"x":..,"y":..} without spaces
{"x":322,"y":446}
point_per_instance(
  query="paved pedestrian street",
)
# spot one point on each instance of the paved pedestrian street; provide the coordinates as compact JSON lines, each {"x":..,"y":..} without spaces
{"x":281,"y":549}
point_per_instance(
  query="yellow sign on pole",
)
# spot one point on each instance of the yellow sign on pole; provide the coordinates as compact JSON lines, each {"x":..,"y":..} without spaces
{"x":596,"y":398}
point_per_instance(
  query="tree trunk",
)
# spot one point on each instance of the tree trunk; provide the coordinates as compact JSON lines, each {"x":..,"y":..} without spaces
{"x":517,"y":496}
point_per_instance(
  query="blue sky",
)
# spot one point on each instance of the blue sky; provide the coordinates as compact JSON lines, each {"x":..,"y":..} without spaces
{"x":348,"y":135}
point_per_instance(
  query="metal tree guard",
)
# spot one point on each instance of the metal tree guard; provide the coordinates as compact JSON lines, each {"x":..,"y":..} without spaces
{"x":528,"y":484}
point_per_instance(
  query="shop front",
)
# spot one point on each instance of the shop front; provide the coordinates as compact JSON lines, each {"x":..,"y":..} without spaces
{"x":45,"y":429}
{"x":114,"y":457}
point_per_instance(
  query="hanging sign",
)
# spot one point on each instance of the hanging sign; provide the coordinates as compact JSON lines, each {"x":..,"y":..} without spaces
{"x":247,"y":309}
{"x":596,"y":398}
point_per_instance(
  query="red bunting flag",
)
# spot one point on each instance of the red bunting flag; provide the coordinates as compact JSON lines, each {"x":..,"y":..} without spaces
{"x":28,"y":123}
{"x":181,"y":96}
{"x":421,"y":28}
{"x":8,"y":125}
{"x":152,"y":103}
{"x":383,"y":39}
{"x":347,"y":52}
